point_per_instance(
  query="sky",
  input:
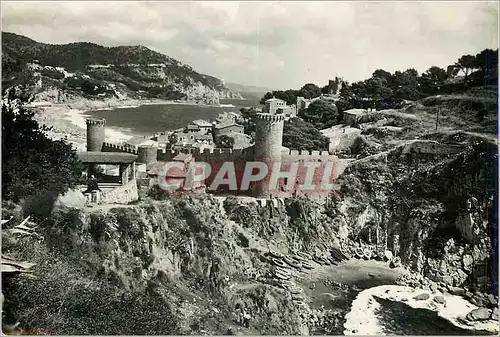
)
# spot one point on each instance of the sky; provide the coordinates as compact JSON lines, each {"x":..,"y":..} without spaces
{"x":279,"y":45}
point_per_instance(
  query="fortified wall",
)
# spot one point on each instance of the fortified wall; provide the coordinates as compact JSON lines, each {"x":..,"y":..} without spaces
{"x":239,"y":157}
{"x":268,"y":149}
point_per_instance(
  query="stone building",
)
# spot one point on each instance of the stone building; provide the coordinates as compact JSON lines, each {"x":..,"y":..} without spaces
{"x":278,"y":106}
{"x":203,"y":125}
{"x":224,"y":129}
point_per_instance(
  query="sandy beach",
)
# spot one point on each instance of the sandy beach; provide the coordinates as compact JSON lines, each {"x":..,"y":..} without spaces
{"x":68,"y":123}
{"x":67,"y":120}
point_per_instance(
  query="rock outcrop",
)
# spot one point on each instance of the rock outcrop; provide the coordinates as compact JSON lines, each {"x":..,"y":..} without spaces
{"x":433,"y":209}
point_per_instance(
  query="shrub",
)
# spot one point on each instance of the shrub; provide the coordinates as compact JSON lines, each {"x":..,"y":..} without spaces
{"x":34,"y":167}
{"x":63,"y":299}
{"x":300,"y":135}
{"x":321,"y":114}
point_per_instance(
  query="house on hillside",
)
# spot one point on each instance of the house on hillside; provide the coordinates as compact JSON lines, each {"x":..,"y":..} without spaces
{"x":192,"y":128}
{"x":203,"y":125}
{"x":224,"y":129}
{"x":228,"y":117}
{"x":279,"y":106}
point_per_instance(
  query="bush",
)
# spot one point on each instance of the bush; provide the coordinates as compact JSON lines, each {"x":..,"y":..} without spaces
{"x":224,"y":141}
{"x":34,"y":167}
{"x":64,"y":299}
{"x":300,"y":135}
{"x":321,"y":114}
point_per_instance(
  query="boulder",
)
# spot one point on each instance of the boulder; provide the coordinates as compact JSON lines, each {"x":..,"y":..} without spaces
{"x":396,"y":262}
{"x":480,"y":314}
{"x":467,"y":261}
{"x":491,"y":300}
{"x":421,"y":297}
{"x":456,"y":291}
{"x":447,"y":280}
{"x":494,"y":314}
{"x":477,"y":301}
{"x":434,"y":287}
{"x":439,"y":299}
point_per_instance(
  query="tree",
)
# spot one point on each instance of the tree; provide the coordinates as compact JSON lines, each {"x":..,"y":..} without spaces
{"x":267,"y":96}
{"x":406,"y":85}
{"x":33,"y":165}
{"x":382,"y":74}
{"x":486,"y":59}
{"x":224,"y":141}
{"x":466,"y":64}
{"x":310,"y":90}
{"x":289,"y":96}
{"x":301,"y":135}
{"x":377,"y":89}
{"x":248,"y":115}
{"x":320,"y":113}
{"x":487,"y":63}
{"x":433,"y":79}
{"x":452,"y":71}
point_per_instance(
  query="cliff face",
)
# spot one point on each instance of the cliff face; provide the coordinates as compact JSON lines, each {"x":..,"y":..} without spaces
{"x":93,"y":71}
{"x":434,"y":206}
{"x":191,"y":262}
{"x":199,"y":257}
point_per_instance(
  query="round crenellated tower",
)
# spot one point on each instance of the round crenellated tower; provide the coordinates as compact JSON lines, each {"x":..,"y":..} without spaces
{"x":95,"y":133}
{"x":147,"y":154}
{"x":268,"y":144}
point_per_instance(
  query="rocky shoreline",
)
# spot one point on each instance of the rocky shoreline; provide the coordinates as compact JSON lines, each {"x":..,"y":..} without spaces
{"x":362,"y":318}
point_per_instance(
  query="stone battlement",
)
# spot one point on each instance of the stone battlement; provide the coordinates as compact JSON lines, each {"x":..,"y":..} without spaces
{"x":96,"y":121}
{"x":110,"y":147}
{"x":306,"y":153}
{"x":236,"y":152}
{"x":225,"y":154}
{"x":270,"y":117}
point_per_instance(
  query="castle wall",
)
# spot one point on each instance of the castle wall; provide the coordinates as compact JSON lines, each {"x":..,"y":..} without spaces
{"x":327,"y":163}
{"x":147,"y":154}
{"x":110,"y":147}
{"x":217,"y":157}
{"x":122,"y":195}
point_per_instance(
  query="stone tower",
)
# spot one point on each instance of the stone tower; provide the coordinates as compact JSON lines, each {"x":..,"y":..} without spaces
{"x":268,"y":140}
{"x":95,"y":133}
{"x":147,"y":154}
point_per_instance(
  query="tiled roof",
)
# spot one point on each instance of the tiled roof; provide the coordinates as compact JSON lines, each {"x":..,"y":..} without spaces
{"x":193,"y":127}
{"x":201,"y":122}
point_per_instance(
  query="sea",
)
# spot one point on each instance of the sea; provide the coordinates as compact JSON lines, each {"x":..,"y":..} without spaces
{"x":147,"y":120}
